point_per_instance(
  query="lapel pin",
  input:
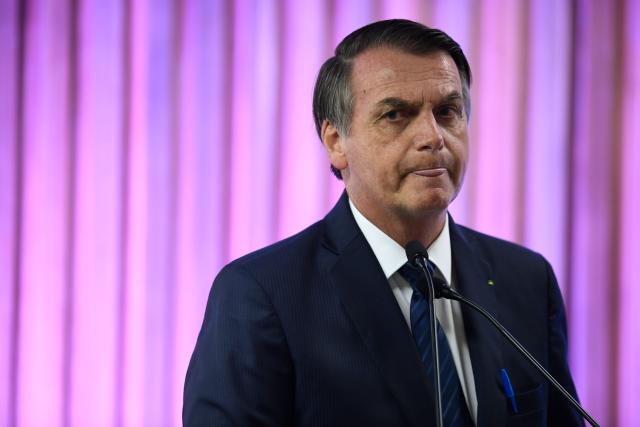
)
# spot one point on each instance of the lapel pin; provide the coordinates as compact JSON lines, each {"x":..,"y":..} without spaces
{"x":490,"y":282}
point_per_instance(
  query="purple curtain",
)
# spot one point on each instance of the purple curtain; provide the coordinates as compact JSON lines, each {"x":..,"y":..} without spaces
{"x":144,"y":144}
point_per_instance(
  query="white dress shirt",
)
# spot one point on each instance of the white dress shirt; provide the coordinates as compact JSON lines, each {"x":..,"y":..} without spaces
{"x":391,"y":257}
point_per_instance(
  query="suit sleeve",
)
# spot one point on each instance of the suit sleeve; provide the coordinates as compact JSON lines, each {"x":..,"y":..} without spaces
{"x":561,"y":413}
{"x":240,"y":372}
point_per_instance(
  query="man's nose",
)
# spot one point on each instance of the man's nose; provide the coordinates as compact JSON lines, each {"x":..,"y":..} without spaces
{"x":428,"y":134}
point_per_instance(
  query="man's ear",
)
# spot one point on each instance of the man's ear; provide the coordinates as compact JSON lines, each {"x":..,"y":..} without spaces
{"x":334,"y":144}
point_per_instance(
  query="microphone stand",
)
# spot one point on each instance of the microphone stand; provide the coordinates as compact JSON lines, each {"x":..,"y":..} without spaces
{"x":445,"y":291}
{"x":433,"y":325}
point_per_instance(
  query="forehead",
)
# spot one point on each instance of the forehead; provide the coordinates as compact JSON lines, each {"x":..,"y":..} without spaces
{"x":384,"y":71}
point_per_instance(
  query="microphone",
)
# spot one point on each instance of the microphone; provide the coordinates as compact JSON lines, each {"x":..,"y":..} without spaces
{"x":417,"y":254}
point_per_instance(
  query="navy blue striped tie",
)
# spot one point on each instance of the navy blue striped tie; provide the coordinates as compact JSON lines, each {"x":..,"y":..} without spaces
{"x":454,"y":408}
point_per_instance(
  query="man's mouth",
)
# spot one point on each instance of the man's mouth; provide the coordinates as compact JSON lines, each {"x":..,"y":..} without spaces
{"x":431,"y":172}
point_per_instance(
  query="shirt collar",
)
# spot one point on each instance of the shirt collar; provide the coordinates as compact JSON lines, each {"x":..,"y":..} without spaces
{"x":391,"y":256}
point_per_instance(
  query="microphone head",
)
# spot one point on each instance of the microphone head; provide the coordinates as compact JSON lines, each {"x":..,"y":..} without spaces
{"x":438,"y":279}
{"x":415,"y":250}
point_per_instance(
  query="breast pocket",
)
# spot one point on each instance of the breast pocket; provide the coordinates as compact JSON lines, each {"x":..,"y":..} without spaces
{"x":531,"y":408}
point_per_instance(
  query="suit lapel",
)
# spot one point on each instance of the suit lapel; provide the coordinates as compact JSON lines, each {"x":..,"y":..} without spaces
{"x":473,"y":275}
{"x":368,"y":300}
{"x":366,"y":296}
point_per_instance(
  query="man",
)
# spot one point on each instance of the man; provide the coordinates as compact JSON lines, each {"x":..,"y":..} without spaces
{"x":321,"y":329}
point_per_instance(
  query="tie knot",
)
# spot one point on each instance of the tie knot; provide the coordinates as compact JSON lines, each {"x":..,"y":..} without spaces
{"x":412,"y":273}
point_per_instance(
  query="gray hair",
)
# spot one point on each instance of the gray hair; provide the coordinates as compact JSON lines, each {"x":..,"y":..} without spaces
{"x":332,"y":97}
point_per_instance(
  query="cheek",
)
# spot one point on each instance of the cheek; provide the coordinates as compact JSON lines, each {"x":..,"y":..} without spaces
{"x":459,"y":148}
{"x":389,"y":165}
{"x":373,"y":160}
{"x":459,"y":153}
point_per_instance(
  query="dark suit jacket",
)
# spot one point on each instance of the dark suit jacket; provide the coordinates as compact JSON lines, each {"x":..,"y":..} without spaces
{"x":307,"y":332}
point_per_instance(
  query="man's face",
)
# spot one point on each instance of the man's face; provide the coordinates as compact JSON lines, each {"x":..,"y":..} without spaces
{"x":406,"y":152}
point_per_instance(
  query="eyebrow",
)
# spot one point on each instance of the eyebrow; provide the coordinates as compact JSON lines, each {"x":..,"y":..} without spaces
{"x":453,"y":96}
{"x":396,"y":102}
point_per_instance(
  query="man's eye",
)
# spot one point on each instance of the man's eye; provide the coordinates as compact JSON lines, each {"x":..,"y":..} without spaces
{"x":393,"y":115}
{"x":449,"y":112}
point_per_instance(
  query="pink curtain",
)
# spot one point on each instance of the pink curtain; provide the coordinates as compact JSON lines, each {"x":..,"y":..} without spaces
{"x":144,"y":144}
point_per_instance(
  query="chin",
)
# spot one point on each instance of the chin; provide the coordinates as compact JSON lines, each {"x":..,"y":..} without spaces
{"x":426,"y":208}
{"x":434,"y":200}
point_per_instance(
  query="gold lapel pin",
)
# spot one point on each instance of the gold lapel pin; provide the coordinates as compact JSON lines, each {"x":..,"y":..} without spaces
{"x":490,"y":282}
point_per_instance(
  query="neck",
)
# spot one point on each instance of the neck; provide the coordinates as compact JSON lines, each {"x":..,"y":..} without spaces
{"x":405,"y":228}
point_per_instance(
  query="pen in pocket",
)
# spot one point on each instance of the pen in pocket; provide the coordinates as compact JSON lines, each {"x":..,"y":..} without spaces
{"x":508,"y":390}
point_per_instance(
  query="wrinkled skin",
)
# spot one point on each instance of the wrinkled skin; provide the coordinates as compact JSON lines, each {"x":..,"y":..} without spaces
{"x":404,"y":158}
